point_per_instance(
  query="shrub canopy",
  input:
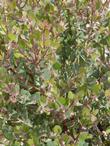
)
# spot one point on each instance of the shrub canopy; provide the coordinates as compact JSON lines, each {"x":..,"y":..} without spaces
{"x":55,"y":73}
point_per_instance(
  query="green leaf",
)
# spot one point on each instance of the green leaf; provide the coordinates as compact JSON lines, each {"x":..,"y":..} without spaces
{"x":51,"y":143}
{"x":8,"y":133}
{"x":18,"y":55}
{"x":62,"y":100}
{"x":2,"y":30}
{"x":12,"y":37}
{"x":35,"y":137}
{"x":98,"y":4}
{"x":57,"y":66}
{"x":84,"y":135}
{"x":96,"y":88}
{"x":107,"y":92}
{"x":25,"y":96}
{"x":86,"y":111}
{"x":82,"y":143}
{"x":71,"y":95}
{"x":57,"y":129}
{"x":34,"y":98}
{"x":16,"y":144}
{"x":108,"y":130}
{"x":30,"y":142}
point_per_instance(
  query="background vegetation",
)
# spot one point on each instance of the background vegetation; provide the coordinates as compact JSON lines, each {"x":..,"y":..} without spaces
{"x":55,"y":72}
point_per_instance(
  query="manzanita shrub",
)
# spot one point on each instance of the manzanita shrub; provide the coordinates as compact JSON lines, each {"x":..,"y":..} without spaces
{"x":55,"y":73}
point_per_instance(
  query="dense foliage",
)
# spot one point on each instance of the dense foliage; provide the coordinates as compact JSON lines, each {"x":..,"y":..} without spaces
{"x":55,"y":73}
